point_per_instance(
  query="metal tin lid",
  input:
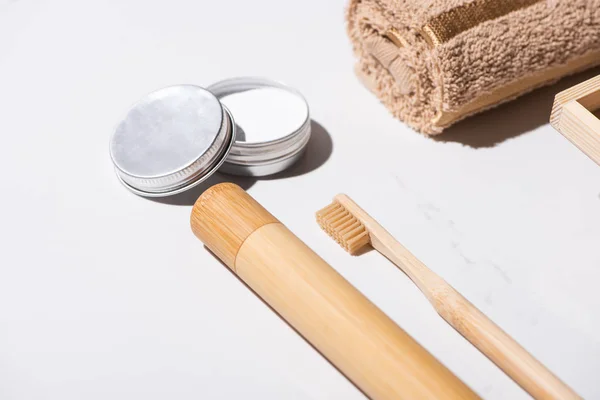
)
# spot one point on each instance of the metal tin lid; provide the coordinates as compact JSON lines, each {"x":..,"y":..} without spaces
{"x":171,"y":140}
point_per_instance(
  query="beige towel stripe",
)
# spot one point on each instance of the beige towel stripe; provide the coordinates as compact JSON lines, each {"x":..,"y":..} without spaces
{"x":451,"y":23}
{"x":518,"y":87}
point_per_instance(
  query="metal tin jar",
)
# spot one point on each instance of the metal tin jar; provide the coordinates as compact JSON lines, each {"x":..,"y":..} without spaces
{"x":269,"y":157}
{"x":175,"y":138}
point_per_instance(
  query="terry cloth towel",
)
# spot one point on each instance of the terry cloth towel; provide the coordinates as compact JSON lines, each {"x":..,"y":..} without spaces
{"x":435,"y":62}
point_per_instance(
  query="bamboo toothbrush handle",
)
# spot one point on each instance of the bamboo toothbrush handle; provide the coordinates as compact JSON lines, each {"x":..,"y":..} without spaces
{"x":498,"y":346}
{"x":478,"y":329}
{"x":346,"y":222}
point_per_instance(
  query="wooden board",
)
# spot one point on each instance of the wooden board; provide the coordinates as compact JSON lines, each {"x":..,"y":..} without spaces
{"x":573,"y":116}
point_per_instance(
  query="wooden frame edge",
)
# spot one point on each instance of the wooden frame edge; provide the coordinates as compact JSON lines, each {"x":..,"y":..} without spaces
{"x":572,"y":115}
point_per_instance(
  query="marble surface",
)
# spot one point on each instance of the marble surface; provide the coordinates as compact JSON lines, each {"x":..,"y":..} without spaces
{"x":107,"y":295}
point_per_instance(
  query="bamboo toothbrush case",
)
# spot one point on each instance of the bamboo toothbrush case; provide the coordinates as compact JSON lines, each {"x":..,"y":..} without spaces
{"x":349,"y":330}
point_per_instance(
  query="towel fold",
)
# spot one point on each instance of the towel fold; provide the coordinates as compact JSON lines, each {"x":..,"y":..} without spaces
{"x":435,"y":62}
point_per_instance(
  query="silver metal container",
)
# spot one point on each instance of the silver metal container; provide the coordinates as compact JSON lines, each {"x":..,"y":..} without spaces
{"x":263,"y":158}
{"x":175,"y":138}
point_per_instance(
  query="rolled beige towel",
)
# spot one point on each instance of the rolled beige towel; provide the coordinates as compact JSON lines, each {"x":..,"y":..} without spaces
{"x":435,"y":62}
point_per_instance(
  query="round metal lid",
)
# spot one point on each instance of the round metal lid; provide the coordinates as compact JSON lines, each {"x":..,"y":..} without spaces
{"x":171,"y":140}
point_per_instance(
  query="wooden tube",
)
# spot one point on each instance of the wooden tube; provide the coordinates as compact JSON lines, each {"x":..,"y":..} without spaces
{"x":350,"y":331}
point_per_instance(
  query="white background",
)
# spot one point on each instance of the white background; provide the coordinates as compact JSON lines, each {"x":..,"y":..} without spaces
{"x":107,"y":295}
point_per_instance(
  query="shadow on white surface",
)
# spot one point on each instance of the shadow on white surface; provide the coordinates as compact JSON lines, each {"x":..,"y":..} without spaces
{"x":189,"y":197}
{"x":511,"y":119}
{"x":318,"y":151}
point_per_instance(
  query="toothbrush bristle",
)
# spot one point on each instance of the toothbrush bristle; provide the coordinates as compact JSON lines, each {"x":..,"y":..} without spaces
{"x":343,"y":227}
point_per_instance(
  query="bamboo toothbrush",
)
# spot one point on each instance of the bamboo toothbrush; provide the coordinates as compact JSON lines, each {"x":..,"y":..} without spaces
{"x":353,"y":229}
